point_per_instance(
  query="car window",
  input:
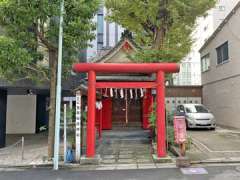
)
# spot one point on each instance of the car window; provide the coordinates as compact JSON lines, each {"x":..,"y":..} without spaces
{"x":188,"y":110}
{"x":201,"y":109}
{"x":180,"y":108}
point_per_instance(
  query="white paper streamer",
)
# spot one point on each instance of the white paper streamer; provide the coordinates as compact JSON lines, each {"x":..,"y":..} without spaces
{"x":136,"y":93}
{"x":105,"y":93}
{"x":126,"y":94}
{"x":121,"y":93}
{"x":111,"y":92}
{"x":116,"y":93}
{"x":141,"y":90}
{"x":131,"y":94}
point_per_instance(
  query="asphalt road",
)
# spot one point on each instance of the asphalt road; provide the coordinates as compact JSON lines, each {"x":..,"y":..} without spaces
{"x":214,"y":173}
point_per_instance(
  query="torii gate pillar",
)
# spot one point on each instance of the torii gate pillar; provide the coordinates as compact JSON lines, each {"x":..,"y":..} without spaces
{"x":160,"y":118}
{"x":90,"y":152}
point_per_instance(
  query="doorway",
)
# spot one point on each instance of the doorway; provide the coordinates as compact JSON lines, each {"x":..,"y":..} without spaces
{"x":126,"y":113}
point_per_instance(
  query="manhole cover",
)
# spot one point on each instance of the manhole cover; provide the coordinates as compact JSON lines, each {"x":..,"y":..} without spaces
{"x":194,"y":171}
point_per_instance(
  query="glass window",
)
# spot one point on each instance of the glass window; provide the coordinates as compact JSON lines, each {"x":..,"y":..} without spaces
{"x":180,"y":108}
{"x":221,"y":8}
{"x":196,"y":109}
{"x":188,"y":110}
{"x":222,"y":53}
{"x":205,"y":63}
{"x":201,"y":109}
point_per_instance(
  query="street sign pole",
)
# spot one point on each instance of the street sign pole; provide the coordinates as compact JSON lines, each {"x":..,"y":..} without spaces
{"x":58,"y":91}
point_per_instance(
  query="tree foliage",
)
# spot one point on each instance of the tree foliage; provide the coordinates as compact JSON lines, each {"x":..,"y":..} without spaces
{"x":11,"y":55}
{"x":162,"y":27}
{"x":34,"y":26}
{"x":31,"y":30}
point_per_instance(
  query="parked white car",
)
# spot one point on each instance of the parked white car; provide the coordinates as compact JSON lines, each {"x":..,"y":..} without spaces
{"x":197,"y":116}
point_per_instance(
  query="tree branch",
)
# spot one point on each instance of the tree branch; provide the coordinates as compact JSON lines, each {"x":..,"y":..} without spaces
{"x":38,"y":71}
{"x":40,"y":35}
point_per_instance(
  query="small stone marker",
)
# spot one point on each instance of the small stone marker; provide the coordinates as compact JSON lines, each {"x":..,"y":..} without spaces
{"x":183,"y":162}
{"x":192,"y":171}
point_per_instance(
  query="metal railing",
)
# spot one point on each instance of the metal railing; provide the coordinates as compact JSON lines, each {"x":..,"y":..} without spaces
{"x":9,"y":149}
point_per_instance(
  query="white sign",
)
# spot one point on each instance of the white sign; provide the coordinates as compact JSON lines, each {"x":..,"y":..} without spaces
{"x":78,"y":125}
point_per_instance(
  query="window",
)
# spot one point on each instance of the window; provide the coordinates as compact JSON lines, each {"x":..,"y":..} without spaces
{"x":180,"y":108}
{"x":205,"y":28}
{"x":100,"y":29}
{"x":201,"y":109}
{"x":188,"y":110}
{"x":221,"y":8}
{"x":222,"y":53}
{"x":205,"y":63}
{"x":196,"y":109}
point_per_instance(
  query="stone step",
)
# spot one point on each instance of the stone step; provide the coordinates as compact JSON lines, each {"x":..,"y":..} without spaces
{"x":133,"y":125}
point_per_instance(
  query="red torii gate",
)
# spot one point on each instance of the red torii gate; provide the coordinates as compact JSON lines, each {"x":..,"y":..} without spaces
{"x":159,"y":68}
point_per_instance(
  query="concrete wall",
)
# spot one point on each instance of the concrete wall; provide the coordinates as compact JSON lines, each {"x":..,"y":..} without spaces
{"x":172,"y":102}
{"x":21,"y":114}
{"x":230,"y":33}
{"x":176,"y":95}
{"x":221,"y":83}
{"x":223,"y":99}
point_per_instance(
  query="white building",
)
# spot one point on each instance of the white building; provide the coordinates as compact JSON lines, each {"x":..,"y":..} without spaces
{"x":190,"y":73}
{"x":220,"y":71}
{"x":107,"y":35}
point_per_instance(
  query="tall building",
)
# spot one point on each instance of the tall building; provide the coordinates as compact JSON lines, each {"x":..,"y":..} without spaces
{"x":107,"y":35}
{"x":220,"y":71}
{"x":190,"y":73}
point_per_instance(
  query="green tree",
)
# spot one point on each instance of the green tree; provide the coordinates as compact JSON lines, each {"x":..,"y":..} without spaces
{"x":29,"y":46}
{"x":162,"y":27}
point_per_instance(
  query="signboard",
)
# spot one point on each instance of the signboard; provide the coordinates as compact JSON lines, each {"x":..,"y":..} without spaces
{"x":180,"y":129}
{"x":78,"y":125}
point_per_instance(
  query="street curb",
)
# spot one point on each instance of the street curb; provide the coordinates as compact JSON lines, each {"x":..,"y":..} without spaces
{"x":91,"y":167}
{"x":215,"y":162}
{"x":26,"y":166}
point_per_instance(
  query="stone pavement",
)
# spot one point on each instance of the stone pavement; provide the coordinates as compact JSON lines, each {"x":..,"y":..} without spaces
{"x":130,"y":149}
{"x":119,"y":149}
{"x":219,"y":145}
{"x":126,"y":147}
{"x":35,"y":149}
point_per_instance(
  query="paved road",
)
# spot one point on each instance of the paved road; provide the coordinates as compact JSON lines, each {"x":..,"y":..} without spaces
{"x":221,"y":144}
{"x":214,"y":173}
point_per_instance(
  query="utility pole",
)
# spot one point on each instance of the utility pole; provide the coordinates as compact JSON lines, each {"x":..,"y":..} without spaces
{"x":58,"y":91}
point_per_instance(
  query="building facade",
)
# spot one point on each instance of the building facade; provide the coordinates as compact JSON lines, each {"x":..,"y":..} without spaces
{"x":107,"y":35}
{"x":220,"y":71}
{"x":190,"y":73}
